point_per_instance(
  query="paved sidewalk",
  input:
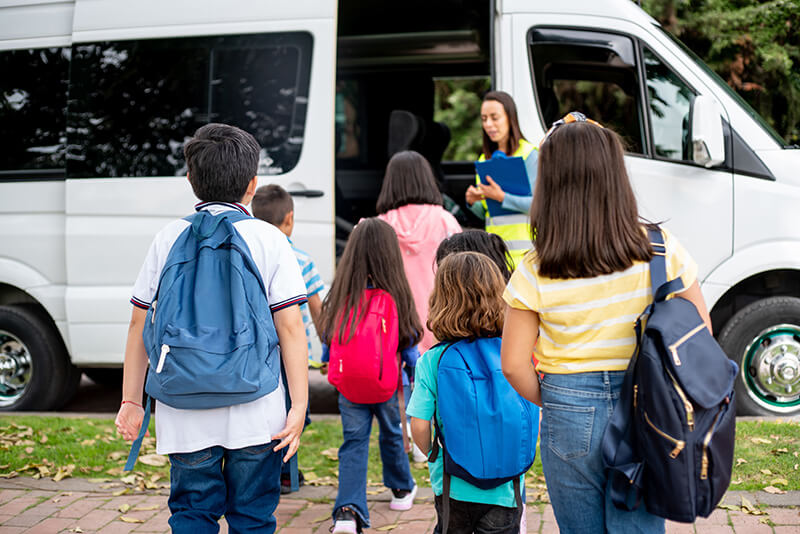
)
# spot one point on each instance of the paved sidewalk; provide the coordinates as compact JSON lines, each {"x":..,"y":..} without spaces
{"x":75,"y":505}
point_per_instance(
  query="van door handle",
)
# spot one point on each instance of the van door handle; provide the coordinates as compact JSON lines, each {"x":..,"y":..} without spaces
{"x":309,"y":193}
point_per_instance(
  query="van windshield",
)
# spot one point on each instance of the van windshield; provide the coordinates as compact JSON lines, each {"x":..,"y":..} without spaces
{"x":741,"y":101}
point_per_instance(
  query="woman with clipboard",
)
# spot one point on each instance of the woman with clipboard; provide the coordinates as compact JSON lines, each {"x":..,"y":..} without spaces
{"x":504,"y":199}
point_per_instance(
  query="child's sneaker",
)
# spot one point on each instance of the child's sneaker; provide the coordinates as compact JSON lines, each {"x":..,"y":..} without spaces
{"x":345,"y":522}
{"x":403,"y":499}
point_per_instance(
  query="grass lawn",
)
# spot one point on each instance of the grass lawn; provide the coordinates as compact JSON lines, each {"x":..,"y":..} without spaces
{"x":766,"y":454}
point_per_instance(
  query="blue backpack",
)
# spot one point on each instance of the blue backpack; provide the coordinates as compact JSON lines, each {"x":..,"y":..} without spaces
{"x":489,"y":434}
{"x":674,"y":424}
{"x":209,"y":334}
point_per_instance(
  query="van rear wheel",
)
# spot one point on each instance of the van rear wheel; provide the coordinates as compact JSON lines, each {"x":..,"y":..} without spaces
{"x":35,"y":371}
{"x":763,"y":338}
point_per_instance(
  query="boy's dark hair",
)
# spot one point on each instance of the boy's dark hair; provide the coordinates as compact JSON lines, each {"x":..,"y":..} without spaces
{"x":467,"y":298}
{"x":409,"y":180}
{"x":222,"y":159}
{"x":372,"y":256}
{"x":474,"y":240}
{"x":271,"y":203}
{"x":514,"y":133}
{"x":584,"y":217}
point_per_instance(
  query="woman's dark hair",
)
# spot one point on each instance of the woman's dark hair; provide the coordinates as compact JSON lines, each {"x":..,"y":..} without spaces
{"x":514,"y":133}
{"x":584,"y":217}
{"x":473,"y":240}
{"x":467,"y":298}
{"x":409,"y":180}
{"x":372,"y":256}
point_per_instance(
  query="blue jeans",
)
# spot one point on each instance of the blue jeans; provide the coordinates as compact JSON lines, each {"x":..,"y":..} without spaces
{"x":241,"y":484}
{"x":354,"y":452}
{"x":576,"y":410}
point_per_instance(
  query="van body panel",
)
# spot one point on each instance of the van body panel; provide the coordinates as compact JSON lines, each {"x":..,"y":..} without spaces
{"x":752,"y":260}
{"x":53,"y":23}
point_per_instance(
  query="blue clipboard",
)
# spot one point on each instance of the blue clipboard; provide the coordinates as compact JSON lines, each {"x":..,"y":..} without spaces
{"x":509,"y":173}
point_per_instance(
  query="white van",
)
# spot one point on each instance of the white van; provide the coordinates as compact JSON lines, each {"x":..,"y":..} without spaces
{"x":97,"y":98}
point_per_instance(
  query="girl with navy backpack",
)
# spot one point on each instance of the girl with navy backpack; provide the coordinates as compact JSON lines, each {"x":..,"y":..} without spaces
{"x":368,"y":317}
{"x":485,"y":433}
{"x":573,"y":302}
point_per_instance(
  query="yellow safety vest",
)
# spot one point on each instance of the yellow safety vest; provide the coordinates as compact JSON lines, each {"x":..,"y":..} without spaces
{"x":513,"y":228}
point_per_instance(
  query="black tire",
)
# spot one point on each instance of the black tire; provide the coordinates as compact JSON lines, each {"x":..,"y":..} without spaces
{"x":35,"y":371}
{"x":105,"y":376}
{"x":763,"y":338}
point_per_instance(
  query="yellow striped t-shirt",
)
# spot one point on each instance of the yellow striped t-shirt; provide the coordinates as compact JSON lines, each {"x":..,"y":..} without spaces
{"x":587,"y":324}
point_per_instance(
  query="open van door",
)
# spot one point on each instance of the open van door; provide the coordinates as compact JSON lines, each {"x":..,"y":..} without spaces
{"x":143,"y":78}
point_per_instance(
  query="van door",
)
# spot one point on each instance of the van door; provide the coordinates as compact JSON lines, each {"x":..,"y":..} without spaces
{"x":616,"y":73}
{"x":144,"y":77}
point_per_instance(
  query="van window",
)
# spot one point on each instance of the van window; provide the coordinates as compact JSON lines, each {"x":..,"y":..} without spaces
{"x":457,"y":104}
{"x":669,"y":105}
{"x":133,"y":104}
{"x":33,"y":100}
{"x":591,"y":72}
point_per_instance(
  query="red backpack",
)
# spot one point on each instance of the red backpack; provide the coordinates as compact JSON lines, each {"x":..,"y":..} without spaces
{"x":365,"y":368}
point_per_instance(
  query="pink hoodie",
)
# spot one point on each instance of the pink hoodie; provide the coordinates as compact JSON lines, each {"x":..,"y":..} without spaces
{"x":420,"y":228}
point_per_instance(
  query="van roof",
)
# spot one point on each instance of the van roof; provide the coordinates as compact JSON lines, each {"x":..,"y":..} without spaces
{"x":618,"y":9}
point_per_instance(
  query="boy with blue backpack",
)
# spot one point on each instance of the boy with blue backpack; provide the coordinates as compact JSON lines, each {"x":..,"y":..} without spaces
{"x":216,"y":313}
{"x":484,"y":432}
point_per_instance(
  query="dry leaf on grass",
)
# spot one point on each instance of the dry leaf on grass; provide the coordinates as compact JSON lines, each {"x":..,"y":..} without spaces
{"x":88,"y":442}
{"x":130,"y":479}
{"x":779,"y":481}
{"x":740,"y":461}
{"x":64,"y":472}
{"x":12,"y":474}
{"x":761,"y":440}
{"x":766,"y":472}
{"x":155,"y":460}
{"x":331,"y":454}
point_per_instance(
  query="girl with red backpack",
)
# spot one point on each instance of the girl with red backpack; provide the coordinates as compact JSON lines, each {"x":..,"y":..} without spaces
{"x":368,"y":318}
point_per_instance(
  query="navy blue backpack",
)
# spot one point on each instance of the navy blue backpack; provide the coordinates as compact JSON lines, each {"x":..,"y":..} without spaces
{"x":670,"y":440}
{"x":208,"y":333}
{"x":489,"y":434}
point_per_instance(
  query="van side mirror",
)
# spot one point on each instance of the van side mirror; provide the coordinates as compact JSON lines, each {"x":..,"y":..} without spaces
{"x":708,"y":145}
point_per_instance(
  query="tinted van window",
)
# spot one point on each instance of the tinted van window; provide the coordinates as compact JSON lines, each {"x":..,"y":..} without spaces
{"x":132,"y":104}
{"x":33,"y":98}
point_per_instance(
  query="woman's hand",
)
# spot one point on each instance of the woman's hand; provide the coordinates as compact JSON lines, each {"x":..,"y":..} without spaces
{"x":491,"y":190}
{"x":473,"y":195}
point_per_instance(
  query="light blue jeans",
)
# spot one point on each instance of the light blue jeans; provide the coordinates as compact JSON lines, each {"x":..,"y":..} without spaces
{"x":576,"y":410}
{"x":354,"y":453}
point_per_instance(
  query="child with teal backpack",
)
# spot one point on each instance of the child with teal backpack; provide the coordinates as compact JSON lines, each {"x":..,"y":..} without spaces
{"x":485,"y":433}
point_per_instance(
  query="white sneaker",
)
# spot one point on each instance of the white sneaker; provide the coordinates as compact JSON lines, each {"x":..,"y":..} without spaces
{"x":523,"y":522}
{"x":403,"y":499}
{"x":346,"y":522}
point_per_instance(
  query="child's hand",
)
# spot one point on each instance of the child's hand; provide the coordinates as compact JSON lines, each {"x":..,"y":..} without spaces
{"x":129,"y":421}
{"x":323,"y":370}
{"x":290,"y":435}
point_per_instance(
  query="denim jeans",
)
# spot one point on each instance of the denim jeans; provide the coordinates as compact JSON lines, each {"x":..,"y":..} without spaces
{"x":576,"y":410}
{"x":241,"y":484}
{"x":354,"y":452}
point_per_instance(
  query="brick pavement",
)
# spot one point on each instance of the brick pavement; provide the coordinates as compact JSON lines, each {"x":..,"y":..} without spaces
{"x":30,"y":506}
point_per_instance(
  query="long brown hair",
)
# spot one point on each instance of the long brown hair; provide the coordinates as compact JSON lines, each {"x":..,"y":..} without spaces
{"x":584,"y":217}
{"x":467,"y":298}
{"x":372,"y":256}
{"x":514,"y":133}
{"x":409,"y":180}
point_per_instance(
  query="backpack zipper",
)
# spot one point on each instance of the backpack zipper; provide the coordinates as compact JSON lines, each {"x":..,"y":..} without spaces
{"x":687,"y":405}
{"x":383,"y":328}
{"x":164,"y":351}
{"x":635,"y":394}
{"x":679,"y":444}
{"x":674,"y":347}
{"x":706,"y":441}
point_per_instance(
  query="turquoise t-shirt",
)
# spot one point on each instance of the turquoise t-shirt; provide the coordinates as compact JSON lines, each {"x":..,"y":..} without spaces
{"x":422,"y":406}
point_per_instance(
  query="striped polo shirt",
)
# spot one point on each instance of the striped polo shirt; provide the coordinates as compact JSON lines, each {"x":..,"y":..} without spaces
{"x":314,"y":285}
{"x":587,"y":324}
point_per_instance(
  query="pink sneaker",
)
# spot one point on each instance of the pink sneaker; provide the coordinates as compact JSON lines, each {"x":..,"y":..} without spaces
{"x":403,"y":499}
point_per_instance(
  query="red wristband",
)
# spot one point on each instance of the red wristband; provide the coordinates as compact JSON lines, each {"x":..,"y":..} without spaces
{"x":131,"y":402}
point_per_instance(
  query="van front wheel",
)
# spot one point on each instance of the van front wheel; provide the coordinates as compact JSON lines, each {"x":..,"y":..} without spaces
{"x":763,"y":338}
{"x":35,"y":372}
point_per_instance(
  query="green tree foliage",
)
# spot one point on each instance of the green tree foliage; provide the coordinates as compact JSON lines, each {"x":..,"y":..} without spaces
{"x":458,"y":105}
{"x":753,"y":45}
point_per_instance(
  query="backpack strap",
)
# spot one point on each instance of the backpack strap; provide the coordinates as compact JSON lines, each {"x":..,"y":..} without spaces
{"x":137,"y":443}
{"x":658,"y":268}
{"x":401,"y":404}
{"x":433,"y":453}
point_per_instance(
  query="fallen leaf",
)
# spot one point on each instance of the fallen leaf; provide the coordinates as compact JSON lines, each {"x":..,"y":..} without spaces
{"x":766,"y":471}
{"x":88,"y":442}
{"x":117,"y":455}
{"x":124,"y":508}
{"x":130,"y":479}
{"x":331,"y":454}
{"x":780,"y":481}
{"x":127,"y":519}
{"x":77,"y":530}
{"x":748,"y":507}
{"x":121,"y":492}
{"x":98,"y":480}
{"x":149,"y":508}
{"x":12,"y":474}
{"x":156,"y":460}
{"x":374,"y":492}
{"x":388,"y":527}
{"x":773,"y":490}
{"x":29,"y":450}
{"x":782,"y":450}
{"x":765,"y":520}
{"x":761,"y":440}
{"x":740,"y":461}
{"x":737,"y":481}
{"x":729,"y":507}
{"x":43,"y":439}
{"x":321,"y":518}
{"x":115,"y":471}
{"x":310,"y":476}
{"x":64,"y":472}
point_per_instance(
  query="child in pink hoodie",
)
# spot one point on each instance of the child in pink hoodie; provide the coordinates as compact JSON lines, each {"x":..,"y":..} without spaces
{"x":411,"y":203}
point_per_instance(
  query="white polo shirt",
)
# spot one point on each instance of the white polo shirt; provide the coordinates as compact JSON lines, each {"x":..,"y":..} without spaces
{"x":241,"y":425}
